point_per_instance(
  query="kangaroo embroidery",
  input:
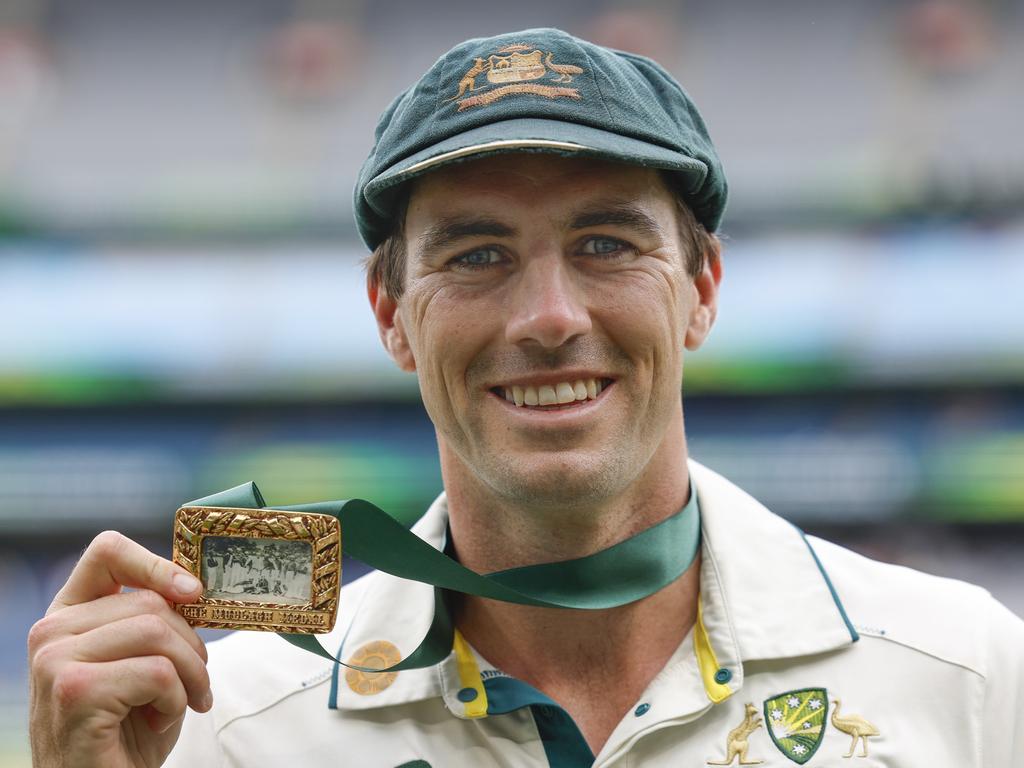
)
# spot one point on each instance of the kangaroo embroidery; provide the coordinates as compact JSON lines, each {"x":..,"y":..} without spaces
{"x":737,"y":745}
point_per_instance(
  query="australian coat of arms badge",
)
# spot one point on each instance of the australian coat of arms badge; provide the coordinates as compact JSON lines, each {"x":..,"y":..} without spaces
{"x":796,"y":722}
{"x":515,"y":69}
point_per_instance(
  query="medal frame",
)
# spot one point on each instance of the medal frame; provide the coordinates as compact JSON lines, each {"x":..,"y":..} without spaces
{"x":323,"y":532}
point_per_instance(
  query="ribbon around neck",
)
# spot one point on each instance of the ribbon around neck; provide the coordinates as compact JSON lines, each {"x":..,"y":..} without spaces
{"x":623,"y":573}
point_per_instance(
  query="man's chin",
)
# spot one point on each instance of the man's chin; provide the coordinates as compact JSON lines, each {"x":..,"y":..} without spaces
{"x":557,"y":481}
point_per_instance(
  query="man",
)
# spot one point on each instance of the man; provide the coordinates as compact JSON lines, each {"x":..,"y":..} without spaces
{"x":541,"y":212}
{"x":215,"y":571}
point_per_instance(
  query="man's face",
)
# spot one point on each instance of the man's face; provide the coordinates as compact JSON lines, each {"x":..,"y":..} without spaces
{"x":546,"y":309}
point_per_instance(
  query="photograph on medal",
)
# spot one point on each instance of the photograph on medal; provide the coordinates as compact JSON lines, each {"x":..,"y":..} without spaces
{"x":261,"y":569}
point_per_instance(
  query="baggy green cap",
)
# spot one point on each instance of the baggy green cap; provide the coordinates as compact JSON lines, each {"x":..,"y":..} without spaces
{"x":539,"y":90}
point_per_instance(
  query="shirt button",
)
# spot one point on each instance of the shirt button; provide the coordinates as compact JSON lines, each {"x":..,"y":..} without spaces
{"x":723,"y":676}
{"x":467,"y":695}
{"x":641,"y":709}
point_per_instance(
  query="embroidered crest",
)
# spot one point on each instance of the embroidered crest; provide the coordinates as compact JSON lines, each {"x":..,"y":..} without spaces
{"x":736,"y":745}
{"x":796,"y":722}
{"x":853,"y":725}
{"x":512,"y":69}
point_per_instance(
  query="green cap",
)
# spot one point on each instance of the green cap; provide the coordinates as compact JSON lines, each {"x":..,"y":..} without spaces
{"x":539,"y":90}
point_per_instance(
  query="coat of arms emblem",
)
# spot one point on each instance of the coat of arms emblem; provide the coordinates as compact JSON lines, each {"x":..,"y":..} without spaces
{"x":796,"y":722}
{"x":515,"y":69}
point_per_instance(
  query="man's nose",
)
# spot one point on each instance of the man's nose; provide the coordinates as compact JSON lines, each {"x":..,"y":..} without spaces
{"x":548,"y":307}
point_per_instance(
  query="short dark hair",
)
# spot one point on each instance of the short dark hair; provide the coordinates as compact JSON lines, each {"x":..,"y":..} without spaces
{"x":385,"y":266}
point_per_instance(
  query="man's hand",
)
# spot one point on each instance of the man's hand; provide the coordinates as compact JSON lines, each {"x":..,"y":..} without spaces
{"x":111,"y":672}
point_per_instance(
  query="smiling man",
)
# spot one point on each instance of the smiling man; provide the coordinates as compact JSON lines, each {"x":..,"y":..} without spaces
{"x":545,"y":308}
{"x":541,"y":213}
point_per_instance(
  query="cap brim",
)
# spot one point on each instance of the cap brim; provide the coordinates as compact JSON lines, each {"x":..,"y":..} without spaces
{"x":533,"y":135}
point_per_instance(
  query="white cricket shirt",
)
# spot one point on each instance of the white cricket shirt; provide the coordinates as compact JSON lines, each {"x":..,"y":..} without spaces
{"x":804,"y":653}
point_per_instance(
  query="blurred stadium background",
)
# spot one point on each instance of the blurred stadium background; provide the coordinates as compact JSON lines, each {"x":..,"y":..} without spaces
{"x":182,"y":297}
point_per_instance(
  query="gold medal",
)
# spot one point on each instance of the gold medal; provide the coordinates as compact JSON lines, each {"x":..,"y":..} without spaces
{"x":261,"y":569}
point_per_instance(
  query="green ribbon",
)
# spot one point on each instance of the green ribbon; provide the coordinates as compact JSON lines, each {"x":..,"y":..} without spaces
{"x":623,"y":573}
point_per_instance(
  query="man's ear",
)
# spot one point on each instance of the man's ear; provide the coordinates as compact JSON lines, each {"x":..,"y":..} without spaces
{"x":706,"y":283}
{"x":389,"y":326}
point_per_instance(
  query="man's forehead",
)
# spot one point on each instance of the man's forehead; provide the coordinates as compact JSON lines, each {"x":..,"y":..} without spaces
{"x":496,"y":206}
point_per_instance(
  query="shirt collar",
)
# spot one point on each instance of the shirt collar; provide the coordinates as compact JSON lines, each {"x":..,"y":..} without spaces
{"x":398,"y":611}
{"x":764,"y":595}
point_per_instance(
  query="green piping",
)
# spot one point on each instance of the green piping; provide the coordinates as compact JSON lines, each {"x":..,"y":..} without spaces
{"x":835,"y":597}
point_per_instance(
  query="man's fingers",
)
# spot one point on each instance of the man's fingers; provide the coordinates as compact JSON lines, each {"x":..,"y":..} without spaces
{"x":146,"y":636}
{"x":103,"y":661}
{"x":156,"y":720}
{"x":113,"y":561}
{"x":82,"y":691}
{"x":78,"y":619}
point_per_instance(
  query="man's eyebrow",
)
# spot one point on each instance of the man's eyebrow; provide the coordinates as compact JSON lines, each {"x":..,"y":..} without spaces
{"x":619,"y":214}
{"x":451,"y":229}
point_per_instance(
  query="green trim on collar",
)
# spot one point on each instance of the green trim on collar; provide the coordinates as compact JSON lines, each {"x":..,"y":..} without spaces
{"x":828,"y":582}
{"x":564,"y":745}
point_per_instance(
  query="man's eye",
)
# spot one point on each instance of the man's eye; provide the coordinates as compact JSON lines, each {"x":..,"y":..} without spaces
{"x":481,"y":257}
{"x":603,"y":246}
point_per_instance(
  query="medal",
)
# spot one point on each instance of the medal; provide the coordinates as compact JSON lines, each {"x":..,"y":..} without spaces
{"x":626,"y":572}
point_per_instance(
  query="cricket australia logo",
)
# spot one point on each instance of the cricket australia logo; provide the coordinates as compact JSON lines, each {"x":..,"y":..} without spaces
{"x":515,"y":69}
{"x":796,"y":722}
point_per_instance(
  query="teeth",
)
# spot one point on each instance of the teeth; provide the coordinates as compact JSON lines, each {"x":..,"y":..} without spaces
{"x":558,"y":394}
{"x":565,"y":394}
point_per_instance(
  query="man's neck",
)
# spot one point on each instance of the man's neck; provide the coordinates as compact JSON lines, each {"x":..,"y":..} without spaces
{"x":587,"y":661}
{"x":595,"y":664}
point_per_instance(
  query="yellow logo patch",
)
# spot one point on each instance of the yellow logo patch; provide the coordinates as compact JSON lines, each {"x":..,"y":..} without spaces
{"x":514,"y":69}
{"x":377,"y":655}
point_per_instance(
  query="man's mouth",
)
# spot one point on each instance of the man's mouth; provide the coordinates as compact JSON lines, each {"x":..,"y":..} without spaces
{"x":553,"y":395}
